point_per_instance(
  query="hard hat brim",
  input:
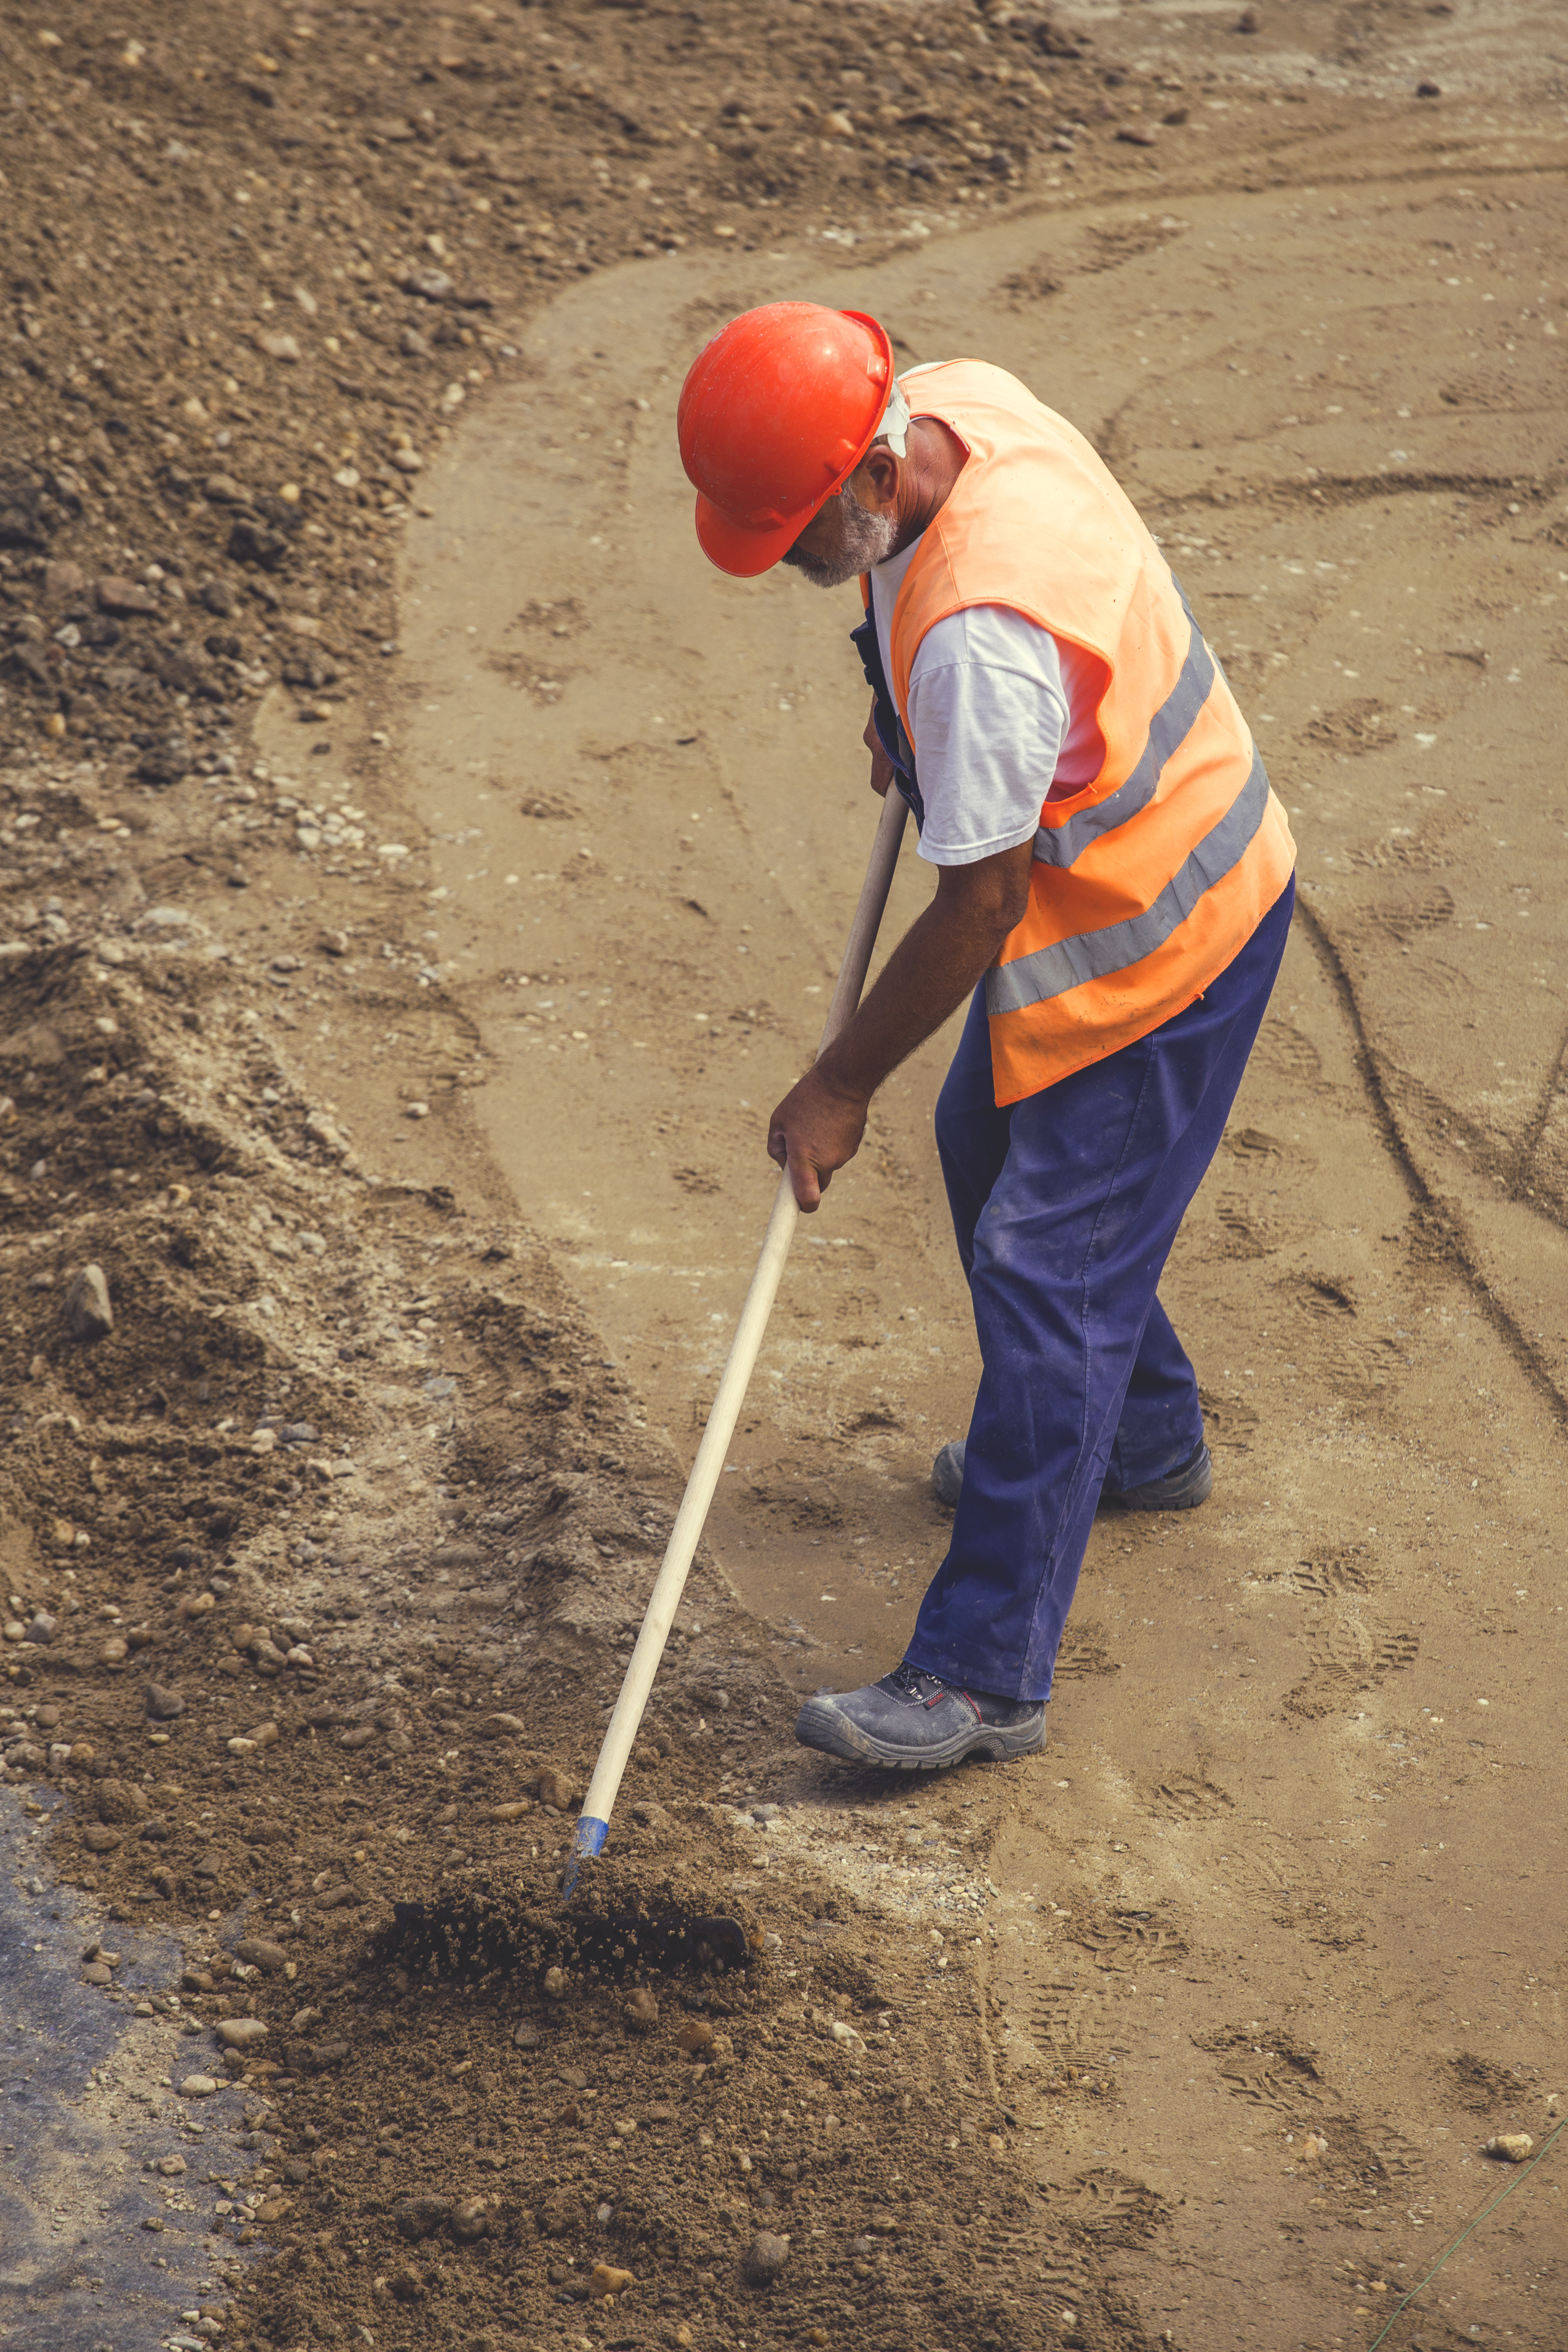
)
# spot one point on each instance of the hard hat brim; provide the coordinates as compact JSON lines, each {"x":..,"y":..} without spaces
{"x":742,"y":553}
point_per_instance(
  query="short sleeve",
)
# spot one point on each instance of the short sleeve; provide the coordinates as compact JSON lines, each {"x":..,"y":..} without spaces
{"x":988,"y":715}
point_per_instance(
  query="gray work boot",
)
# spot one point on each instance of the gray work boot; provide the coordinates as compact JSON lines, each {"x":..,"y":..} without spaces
{"x":1181,"y":1489}
{"x":913,"y":1722}
{"x":947,"y":1473}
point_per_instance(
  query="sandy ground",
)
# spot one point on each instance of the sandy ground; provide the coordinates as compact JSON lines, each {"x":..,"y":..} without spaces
{"x":1194,"y":2031}
{"x":1286,"y":1872}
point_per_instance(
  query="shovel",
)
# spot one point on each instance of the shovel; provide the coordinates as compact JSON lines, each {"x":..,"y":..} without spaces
{"x":489,"y":1937}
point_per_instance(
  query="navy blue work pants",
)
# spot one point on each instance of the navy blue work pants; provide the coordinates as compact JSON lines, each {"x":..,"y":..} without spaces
{"x":1066,"y":1206}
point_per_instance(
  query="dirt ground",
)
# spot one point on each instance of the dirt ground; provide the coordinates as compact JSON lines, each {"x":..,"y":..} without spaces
{"x":418,"y":876}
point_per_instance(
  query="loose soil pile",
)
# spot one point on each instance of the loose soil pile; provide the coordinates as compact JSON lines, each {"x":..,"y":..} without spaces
{"x":325,"y":1522}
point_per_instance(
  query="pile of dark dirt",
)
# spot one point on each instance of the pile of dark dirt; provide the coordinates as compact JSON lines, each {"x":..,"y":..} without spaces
{"x":256,"y":270}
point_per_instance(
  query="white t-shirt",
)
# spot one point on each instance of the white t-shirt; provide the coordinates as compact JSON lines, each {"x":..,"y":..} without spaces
{"x":999,"y":710}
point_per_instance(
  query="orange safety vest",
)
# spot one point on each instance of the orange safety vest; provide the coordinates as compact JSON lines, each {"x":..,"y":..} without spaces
{"x":1149,"y":879}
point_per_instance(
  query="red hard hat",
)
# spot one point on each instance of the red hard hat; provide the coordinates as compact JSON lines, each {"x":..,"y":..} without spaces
{"x":775,"y":414}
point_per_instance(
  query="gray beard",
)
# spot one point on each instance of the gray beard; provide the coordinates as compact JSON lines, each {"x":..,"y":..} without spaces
{"x":865,"y":540}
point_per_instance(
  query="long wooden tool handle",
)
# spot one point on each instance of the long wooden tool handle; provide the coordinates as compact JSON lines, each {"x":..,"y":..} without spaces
{"x":593,"y":1827}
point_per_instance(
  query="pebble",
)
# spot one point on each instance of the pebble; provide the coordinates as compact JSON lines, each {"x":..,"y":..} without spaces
{"x":43,"y":1628}
{"x":257,"y":1952}
{"x":421,"y":2217}
{"x":123,"y":1801}
{"x":89,"y":1314}
{"x":171,"y":2166}
{"x":113,"y":594}
{"x":1512,"y":2147}
{"x":696,"y":2037}
{"x":471,"y":2218}
{"x":97,"y":1972}
{"x":765,"y":2258}
{"x":281,"y":347}
{"x":528,"y":2037}
{"x":605,"y":2282}
{"x":163,"y":1705}
{"x":197,"y":2086}
{"x":98,"y":1840}
{"x":555,"y":1983}
{"x":641,"y":2009}
{"x":555,"y":1788}
{"x":241,"y":2032}
{"x":113,"y":1652}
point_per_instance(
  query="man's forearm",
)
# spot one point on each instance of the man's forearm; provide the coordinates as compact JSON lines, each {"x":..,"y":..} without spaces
{"x":930,"y":973}
{"x":818,"y":1125}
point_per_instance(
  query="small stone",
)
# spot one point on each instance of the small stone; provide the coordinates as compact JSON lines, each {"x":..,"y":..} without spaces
{"x":115,"y":594}
{"x":121,"y":1801}
{"x":96,"y":1973}
{"x":1135,"y":134}
{"x":555,"y":1788}
{"x":98,"y":1840}
{"x":241,"y":2032}
{"x":163,"y":1705}
{"x":1511,"y":2147}
{"x":605,"y":2282}
{"x":696,"y":2037}
{"x":89,"y":1315}
{"x":1428,"y":90}
{"x":323,"y":2055}
{"x":528,"y":2037}
{"x":280,"y":347}
{"x":171,"y":2166}
{"x":197,"y":2086}
{"x":334,"y":943}
{"x":765,"y":2258}
{"x":555,"y":1983}
{"x":471,"y":2220}
{"x":257,"y":1952}
{"x":421,"y":2217}
{"x":43,"y":1628}
{"x":63,"y":579}
{"x":113,"y":1652}
{"x":430,"y":285}
{"x":640,"y":2010}
{"x":561,"y":2215}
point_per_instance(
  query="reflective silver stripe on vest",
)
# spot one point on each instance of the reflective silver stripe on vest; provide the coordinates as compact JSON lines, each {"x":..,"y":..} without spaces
{"x":1063,"y":844}
{"x":1094,"y":955}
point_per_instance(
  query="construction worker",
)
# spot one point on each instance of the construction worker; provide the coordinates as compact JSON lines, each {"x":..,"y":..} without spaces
{"x":1114,"y":880}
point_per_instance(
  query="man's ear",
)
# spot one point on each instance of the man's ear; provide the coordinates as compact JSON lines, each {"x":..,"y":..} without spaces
{"x":880,"y":468}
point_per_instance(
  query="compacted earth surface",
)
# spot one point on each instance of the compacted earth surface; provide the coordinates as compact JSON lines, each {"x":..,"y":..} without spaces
{"x":418,"y":876}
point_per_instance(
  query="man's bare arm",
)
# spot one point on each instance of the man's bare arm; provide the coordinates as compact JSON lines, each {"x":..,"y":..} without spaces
{"x":818,"y":1125}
